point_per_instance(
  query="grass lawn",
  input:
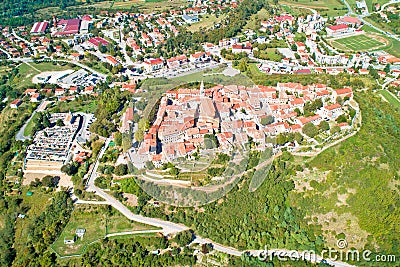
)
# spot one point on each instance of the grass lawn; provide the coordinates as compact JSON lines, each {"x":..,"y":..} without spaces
{"x":87,"y":106}
{"x":28,"y":71}
{"x":30,"y":125}
{"x":390,"y":98}
{"x":36,"y":203}
{"x":206,"y":22}
{"x":97,"y":221}
{"x":24,"y":79}
{"x":118,"y":223}
{"x":393,"y":47}
{"x":357,"y":43}
{"x":214,"y":76}
{"x":330,"y":8}
{"x":370,"y":2}
{"x":254,"y":21}
{"x":49,"y":66}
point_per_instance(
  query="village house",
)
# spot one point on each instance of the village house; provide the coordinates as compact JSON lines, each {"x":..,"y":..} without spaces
{"x":16,"y":103}
{"x":151,"y":65}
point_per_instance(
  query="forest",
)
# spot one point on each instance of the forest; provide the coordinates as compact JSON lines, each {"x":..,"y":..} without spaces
{"x":230,"y":27}
{"x":18,"y":12}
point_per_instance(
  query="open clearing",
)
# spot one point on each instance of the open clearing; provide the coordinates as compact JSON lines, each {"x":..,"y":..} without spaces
{"x":390,"y":98}
{"x":328,"y":8}
{"x":142,"y":5}
{"x":98,"y":221}
{"x":360,"y":42}
{"x":207,"y":21}
{"x":26,"y":72}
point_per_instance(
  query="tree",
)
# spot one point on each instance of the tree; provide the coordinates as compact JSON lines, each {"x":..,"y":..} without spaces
{"x":323,"y":126}
{"x":184,"y":238}
{"x":50,"y":181}
{"x":298,"y":137}
{"x":144,"y":124}
{"x":335,"y":129}
{"x":149,"y":165}
{"x":174,"y":171}
{"x":341,"y":118}
{"x":310,"y":130}
{"x":60,"y":123}
{"x":139,"y":135}
{"x":267,"y":120}
{"x":70,"y":168}
{"x":387,"y":68}
{"x":121,"y":170}
{"x":118,"y":138}
{"x":102,"y":48}
{"x":281,"y":139}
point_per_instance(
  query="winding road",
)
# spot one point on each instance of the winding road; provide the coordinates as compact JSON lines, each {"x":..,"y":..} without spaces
{"x":168,"y":228}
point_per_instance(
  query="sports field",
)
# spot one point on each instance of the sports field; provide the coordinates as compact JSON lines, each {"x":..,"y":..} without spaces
{"x":358,"y":43}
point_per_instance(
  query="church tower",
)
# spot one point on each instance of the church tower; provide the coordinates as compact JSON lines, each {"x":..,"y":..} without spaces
{"x":202,"y":92}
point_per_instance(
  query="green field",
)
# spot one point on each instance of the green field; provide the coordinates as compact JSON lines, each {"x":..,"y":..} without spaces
{"x":36,"y":203}
{"x":78,"y":105}
{"x":390,"y":98}
{"x":98,"y":221}
{"x":328,"y":8}
{"x":30,"y":125}
{"x":357,"y":43}
{"x":206,"y":22}
{"x":143,"y":6}
{"x":214,"y":76}
{"x":28,"y":70}
{"x":393,"y":47}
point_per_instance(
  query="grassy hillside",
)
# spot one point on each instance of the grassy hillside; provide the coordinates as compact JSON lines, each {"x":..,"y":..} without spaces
{"x":357,"y":182}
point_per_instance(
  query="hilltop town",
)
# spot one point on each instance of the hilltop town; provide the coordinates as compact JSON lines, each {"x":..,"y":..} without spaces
{"x":236,"y":114}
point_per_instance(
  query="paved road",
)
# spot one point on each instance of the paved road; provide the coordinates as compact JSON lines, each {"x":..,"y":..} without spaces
{"x":31,"y":45}
{"x":93,"y":202}
{"x":133,"y":232}
{"x":82,"y":66}
{"x":20,"y":135}
{"x":167,"y":227}
{"x":5,"y":52}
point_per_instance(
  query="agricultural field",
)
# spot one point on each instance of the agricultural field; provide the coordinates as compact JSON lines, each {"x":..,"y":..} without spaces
{"x":98,"y":221}
{"x":330,"y":8}
{"x":142,"y":5}
{"x":359,"y":43}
